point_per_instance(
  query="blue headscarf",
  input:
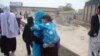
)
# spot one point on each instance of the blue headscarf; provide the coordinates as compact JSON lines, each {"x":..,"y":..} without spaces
{"x":37,"y":22}
{"x":38,"y":16}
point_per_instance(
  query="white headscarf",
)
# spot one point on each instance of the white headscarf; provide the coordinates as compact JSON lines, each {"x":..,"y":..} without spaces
{"x":9,"y":24}
{"x":6,"y":9}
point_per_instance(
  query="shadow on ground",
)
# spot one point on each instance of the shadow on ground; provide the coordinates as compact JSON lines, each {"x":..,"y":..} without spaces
{"x":66,"y":52}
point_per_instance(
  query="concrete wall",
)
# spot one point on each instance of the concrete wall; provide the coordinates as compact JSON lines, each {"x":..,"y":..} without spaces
{"x":79,"y":16}
{"x":61,"y":16}
{"x":67,"y":14}
{"x":31,"y":10}
{"x":65,"y":17}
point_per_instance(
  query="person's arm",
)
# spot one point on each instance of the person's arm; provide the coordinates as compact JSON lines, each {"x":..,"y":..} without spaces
{"x":24,"y":33}
{"x":35,"y":27}
{"x":92,"y":31}
{"x":44,"y":26}
{"x":36,"y":39}
{"x":0,"y":24}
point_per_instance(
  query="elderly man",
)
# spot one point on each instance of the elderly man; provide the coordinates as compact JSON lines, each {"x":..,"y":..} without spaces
{"x":9,"y":31}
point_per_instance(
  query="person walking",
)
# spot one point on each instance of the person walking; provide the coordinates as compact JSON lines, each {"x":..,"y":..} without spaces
{"x":27,"y":35}
{"x":9,"y":31}
{"x":94,"y":33}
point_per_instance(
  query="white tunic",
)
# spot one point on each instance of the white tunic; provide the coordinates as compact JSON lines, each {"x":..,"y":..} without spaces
{"x":94,"y":44}
{"x":9,"y":26}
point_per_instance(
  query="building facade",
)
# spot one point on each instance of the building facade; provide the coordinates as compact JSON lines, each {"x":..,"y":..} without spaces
{"x":90,"y":9}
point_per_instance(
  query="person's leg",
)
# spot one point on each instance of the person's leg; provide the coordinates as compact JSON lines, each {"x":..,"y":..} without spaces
{"x":52,"y":51}
{"x":0,"y":41}
{"x":90,"y":48}
{"x":31,"y":44}
{"x":4,"y":45}
{"x":55,"y":50}
{"x":13,"y":44}
{"x":28,"y":49}
{"x":6,"y":54}
{"x":48,"y":52}
{"x":43,"y":51}
{"x":92,"y":54}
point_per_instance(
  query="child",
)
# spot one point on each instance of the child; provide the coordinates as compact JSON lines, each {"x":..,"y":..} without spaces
{"x":50,"y":37}
{"x":27,"y":34}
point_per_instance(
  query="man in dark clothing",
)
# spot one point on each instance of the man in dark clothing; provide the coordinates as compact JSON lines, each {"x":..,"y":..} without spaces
{"x":27,"y":34}
{"x":94,"y":33}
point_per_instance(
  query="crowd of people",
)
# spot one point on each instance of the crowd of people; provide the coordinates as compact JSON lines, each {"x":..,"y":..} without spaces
{"x":39,"y":34}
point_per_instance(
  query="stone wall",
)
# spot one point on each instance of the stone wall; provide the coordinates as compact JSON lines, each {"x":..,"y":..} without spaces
{"x":62,"y":17}
{"x":31,"y":10}
{"x":66,"y":17}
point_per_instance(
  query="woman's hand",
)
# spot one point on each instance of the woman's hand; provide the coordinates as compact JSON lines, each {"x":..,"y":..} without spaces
{"x":45,"y":45}
{"x":50,"y":45}
{"x":95,"y":34}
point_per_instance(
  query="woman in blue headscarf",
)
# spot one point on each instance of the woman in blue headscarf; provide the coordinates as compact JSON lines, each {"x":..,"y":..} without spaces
{"x":36,"y":33}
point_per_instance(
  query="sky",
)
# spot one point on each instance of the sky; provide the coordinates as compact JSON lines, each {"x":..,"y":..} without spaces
{"x":76,"y":4}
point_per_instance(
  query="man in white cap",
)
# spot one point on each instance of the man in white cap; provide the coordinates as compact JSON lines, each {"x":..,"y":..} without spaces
{"x":9,"y":31}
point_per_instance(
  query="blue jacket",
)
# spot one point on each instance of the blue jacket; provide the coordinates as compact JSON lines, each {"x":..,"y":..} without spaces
{"x":49,"y":34}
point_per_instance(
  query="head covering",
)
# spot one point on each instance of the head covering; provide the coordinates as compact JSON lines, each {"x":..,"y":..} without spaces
{"x":38,"y":16}
{"x":37,"y":21}
{"x":30,"y":21}
{"x":6,"y":9}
